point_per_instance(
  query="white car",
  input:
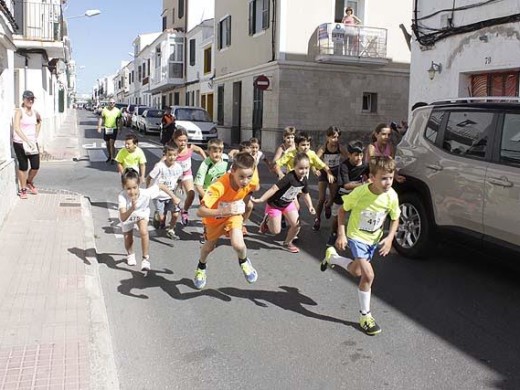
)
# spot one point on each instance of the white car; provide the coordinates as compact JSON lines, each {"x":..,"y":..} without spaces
{"x":197,"y":122}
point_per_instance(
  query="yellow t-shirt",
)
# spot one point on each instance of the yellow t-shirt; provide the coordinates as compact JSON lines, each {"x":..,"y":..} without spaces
{"x":110,"y":117}
{"x":131,"y":160}
{"x":287,"y":160}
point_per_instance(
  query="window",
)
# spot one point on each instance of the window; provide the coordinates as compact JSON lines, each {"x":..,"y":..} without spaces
{"x":187,"y":98}
{"x":176,"y":98}
{"x":258,"y":111}
{"x":224,"y":32}
{"x":181,"y":9}
{"x":220,"y":105}
{"x":175,"y":63}
{"x":510,"y":145}
{"x":258,"y":16}
{"x":432,"y":128}
{"x":148,"y":66}
{"x":170,"y":99}
{"x":164,"y":23}
{"x":467,"y":133}
{"x":207,"y":60}
{"x":192,"y":52}
{"x":369,"y":102}
{"x":495,"y":84}
{"x":139,"y":73}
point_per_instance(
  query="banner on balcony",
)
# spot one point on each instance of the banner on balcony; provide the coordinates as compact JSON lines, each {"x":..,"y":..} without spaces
{"x":322,"y":31}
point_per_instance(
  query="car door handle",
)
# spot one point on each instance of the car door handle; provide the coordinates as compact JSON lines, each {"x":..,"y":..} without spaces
{"x":434,"y":167}
{"x":502,"y":182}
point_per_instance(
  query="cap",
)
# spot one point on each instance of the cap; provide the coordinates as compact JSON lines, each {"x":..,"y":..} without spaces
{"x":355,"y":147}
{"x":28,"y":94}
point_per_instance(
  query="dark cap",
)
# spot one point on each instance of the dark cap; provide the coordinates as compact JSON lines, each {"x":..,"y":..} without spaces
{"x":28,"y":94}
{"x":355,"y":147}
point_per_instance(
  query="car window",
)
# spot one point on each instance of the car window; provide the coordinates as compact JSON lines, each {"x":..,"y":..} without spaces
{"x":154,"y":113}
{"x":140,"y":110}
{"x":467,"y":133}
{"x":510,"y":145}
{"x":190,"y":114}
{"x":434,"y":123}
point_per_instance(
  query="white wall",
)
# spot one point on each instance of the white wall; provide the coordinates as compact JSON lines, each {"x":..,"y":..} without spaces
{"x":6,"y":103}
{"x":200,"y":10}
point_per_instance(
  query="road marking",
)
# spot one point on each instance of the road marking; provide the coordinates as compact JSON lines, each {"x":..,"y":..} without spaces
{"x":96,"y":155}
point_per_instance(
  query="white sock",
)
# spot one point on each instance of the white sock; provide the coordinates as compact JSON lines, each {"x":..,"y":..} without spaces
{"x":343,"y":262}
{"x":364,"y":301}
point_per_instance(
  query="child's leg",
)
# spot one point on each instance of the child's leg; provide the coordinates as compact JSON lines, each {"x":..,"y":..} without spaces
{"x":205,"y":250}
{"x":322,"y":190}
{"x":129,"y":242}
{"x":333,"y":188}
{"x":237,"y":242}
{"x":174,"y":218}
{"x":189,"y":189}
{"x":293,"y":218}
{"x":249,"y":210}
{"x":145,"y":239}
{"x":274,"y":223}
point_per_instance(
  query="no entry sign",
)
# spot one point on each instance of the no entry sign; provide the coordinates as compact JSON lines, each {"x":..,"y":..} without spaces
{"x":261,"y":82}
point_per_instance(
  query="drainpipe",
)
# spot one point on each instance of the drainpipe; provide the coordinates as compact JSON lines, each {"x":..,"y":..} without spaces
{"x":25,"y":70}
{"x":273,"y":34}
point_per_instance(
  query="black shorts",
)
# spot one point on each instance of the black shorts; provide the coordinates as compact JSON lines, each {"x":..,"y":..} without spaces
{"x":24,"y":160}
{"x":107,"y":137}
{"x":323,"y":176}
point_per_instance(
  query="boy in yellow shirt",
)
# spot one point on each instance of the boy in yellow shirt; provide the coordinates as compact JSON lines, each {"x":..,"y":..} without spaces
{"x":132,"y":156}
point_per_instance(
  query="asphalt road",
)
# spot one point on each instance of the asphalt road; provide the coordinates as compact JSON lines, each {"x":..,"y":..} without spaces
{"x":448,"y":323}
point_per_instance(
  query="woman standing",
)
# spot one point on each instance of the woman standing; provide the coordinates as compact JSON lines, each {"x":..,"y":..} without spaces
{"x":27,"y":125}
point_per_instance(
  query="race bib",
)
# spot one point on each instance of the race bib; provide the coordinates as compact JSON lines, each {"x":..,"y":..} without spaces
{"x":332,"y":160}
{"x":185,"y":164}
{"x":291,"y":194}
{"x":371,"y":221}
{"x":109,"y":130}
{"x":234,"y":208}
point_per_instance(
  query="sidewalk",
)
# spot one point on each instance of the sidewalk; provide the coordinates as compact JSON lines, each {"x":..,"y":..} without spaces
{"x":53,"y":324}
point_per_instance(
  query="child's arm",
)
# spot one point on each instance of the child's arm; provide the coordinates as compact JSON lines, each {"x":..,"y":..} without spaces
{"x":170,"y":193}
{"x":124,"y":214}
{"x":200,"y":190}
{"x":200,"y":178}
{"x":341,"y":241}
{"x":308,"y":202}
{"x":270,"y":192}
{"x":232,"y":153}
{"x":386,"y":243}
{"x":199,"y":150}
{"x":120,"y":168}
{"x":142,"y":171}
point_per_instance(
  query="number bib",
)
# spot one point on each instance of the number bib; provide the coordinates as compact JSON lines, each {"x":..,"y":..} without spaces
{"x":109,"y":130}
{"x":332,"y":160}
{"x":236,"y":207}
{"x":371,"y":221}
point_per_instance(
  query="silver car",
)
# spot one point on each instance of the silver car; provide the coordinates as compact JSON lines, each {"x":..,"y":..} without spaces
{"x":150,"y":121}
{"x":461,"y":161}
{"x":197,"y":123}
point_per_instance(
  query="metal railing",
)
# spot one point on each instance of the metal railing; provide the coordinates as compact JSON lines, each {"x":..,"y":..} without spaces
{"x":38,"y":21}
{"x":337,"y":39}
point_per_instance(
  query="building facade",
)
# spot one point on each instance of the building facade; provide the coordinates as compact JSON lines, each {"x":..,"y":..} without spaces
{"x":466,"y":51}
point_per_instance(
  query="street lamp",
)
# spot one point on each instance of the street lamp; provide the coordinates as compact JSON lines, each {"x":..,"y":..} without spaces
{"x":88,"y":13}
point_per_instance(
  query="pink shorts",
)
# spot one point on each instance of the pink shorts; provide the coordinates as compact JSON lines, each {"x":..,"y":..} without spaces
{"x":274,"y":212}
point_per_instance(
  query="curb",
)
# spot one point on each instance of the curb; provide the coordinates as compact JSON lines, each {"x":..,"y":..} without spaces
{"x":103,"y":371}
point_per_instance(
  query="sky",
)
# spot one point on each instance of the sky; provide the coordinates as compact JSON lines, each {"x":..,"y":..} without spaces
{"x":100,"y":43}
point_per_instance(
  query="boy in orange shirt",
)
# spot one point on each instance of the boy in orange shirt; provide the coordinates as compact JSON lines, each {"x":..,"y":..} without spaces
{"x":221,"y":210}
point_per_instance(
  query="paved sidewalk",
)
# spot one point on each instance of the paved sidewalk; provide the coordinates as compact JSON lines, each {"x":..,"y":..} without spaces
{"x":53,"y":324}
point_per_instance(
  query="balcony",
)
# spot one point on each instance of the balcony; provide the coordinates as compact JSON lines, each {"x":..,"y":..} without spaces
{"x":40,"y":26}
{"x":342,"y":44}
{"x":167,"y":77}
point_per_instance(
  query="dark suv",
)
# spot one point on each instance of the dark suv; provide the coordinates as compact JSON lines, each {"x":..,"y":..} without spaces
{"x":461,"y":160}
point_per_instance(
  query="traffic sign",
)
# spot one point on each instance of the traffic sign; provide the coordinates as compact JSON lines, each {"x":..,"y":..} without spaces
{"x":261,"y":82}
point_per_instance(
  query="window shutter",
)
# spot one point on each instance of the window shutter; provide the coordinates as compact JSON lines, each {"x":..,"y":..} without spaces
{"x":265,"y":14}
{"x":220,"y":35}
{"x":228,"y":36}
{"x":251,"y":17}
{"x":192,"y":52}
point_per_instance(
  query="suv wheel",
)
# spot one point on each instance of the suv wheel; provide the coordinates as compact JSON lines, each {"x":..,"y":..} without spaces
{"x":414,"y":235}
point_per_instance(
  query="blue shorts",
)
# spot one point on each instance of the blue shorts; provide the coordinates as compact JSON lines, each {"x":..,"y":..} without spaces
{"x":360,"y":250}
{"x":163,"y":206}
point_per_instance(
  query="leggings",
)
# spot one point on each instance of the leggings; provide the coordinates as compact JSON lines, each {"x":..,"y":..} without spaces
{"x":24,"y":160}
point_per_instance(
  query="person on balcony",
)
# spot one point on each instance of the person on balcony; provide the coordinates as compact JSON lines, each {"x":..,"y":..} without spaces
{"x":351,"y":34}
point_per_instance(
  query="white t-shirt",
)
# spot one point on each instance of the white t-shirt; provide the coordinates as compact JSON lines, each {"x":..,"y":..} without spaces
{"x":169,"y":176}
{"x":142,"y":209}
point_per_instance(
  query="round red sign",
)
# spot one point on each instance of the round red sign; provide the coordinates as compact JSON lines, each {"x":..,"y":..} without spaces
{"x":261,"y":82}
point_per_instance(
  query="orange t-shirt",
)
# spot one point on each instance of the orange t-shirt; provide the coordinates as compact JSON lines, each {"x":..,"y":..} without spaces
{"x":221,"y":191}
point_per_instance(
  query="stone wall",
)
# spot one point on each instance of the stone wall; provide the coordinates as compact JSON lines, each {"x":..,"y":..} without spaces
{"x":7,"y":188}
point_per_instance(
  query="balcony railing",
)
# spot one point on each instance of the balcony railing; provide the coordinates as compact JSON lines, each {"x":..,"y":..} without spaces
{"x":38,"y":21}
{"x":339,"y":40}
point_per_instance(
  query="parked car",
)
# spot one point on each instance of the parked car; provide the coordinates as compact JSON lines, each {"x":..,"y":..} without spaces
{"x":127,"y":115}
{"x":197,"y":122}
{"x":138,"y":111}
{"x":150,"y":121}
{"x":461,"y":160}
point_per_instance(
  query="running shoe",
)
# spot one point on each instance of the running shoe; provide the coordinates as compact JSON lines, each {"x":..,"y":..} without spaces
{"x":317,"y":224}
{"x":171,"y":234}
{"x":291,"y":247}
{"x":200,"y":279}
{"x":328,"y":212}
{"x":331,"y":251}
{"x":156,"y":223}
{"x":32,"y":189}
{"x":249,"y":272}
{"x":368,"y":324}
{"x":264,"y":228}
{"x":130,"y":259}
{"x":145,"y":264}
{"x":108,"y":160}
{"x":23,"y":193}
{"x":185,"y":220}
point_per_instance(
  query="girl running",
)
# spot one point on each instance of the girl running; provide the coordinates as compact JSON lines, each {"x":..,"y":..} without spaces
{"x":288,"y":144}
{"x":382,"y":146}
{"x":180,"y":136}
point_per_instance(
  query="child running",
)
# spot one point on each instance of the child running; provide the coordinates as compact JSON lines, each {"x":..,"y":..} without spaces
{"x":257,"y":153}
{"x":369,"y":206}
{"x":166,"y":172}
{"x":280,"y":201}
{"x":221,"y":210}
{"x":180,"y":136}
{"x":382,"y":146}
{"x":332,"y":153}
{"x":134,"y":208}
{"x":288,"y":144}
{"x":131,"y":156}
{"x":212,"y":168}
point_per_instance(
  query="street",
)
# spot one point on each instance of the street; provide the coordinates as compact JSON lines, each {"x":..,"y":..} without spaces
{"x":448,"y":323}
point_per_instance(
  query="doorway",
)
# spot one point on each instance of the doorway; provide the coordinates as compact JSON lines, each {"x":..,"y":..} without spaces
{"x":237,"y":112}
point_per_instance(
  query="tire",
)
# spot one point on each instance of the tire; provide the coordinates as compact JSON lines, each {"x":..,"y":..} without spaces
{"x":415,"y":235}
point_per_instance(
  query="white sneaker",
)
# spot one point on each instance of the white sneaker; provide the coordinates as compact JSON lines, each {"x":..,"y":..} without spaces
{"x":171,"y":234}
{"x":130,"y":259}
{"x":145,"y":265}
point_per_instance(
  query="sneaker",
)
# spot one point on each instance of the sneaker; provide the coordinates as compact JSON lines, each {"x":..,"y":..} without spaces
{"x":317,"y":224}
{"x":331,"y":251}
{"x":244,"y":231}
{"x":264,"y":228}
{"x":156,"y":223}
{"x":145,"y":264}
{"x":185,"y":220}
{"x":200,"y":278}
{"x":295,"y":239}
{"x":328,"y":212}
{"x":171,"y":234}
{"x":291,"y":247}
{"x":23,"y":193}
{"x":32,"y":189}
{"x":108,"y":160}
{"x":130,"y":259}
{"x":368,"y":324}
{"x":249,"y":271}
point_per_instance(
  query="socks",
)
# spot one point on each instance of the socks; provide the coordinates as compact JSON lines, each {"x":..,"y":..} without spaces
{"x":343,"y":262}
{"x":201,"y":265}
{"x":242,"y":261}
{"x":364,"y":301}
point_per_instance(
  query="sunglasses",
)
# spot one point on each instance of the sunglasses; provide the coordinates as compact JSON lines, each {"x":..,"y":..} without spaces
{"x":31,"y":99}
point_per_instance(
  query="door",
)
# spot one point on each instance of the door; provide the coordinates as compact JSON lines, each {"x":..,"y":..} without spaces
{"x":502,"y":188}
{"x":258,"y":112}
{"x":237,"y":112}
{"x":209,"y":104}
